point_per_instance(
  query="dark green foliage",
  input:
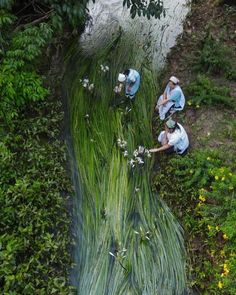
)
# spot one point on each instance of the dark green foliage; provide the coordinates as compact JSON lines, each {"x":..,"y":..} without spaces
{"x":6,"y":4}
{"x":72,"y":12}
{"x":19,"y":83}
{"x":34,"y":187}
{"x":204,"y":91}
{"x":203,"y":197}
{"x":152,"y":8}
{"x":34,"y":222}
{"x":214,"y":57}
{"x":6,"y":18}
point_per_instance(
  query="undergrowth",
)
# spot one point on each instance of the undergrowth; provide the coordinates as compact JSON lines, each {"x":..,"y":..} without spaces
{"x":203,"y":197}
{"x":35,"y":224}
{"x":214,"y":57}
{"x":203,"y":90}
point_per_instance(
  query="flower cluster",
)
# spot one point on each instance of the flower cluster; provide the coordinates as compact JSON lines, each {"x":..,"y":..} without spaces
{"x":139,"y":154}
{"x":86,"y":84}
{"x":119,"y":254}
{"x":144,"y":235}
{"x":104,"y":68}
{"x":225,"y":270}
{"x":220,"y":285}
{"x":117,"y":89}
{"x":202,"y":200}
{"x":122,"y":144}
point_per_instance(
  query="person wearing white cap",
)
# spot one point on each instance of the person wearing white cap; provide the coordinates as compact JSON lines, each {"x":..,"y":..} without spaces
{"x":131,"y":79}
{"x":173,"y":139}
{"x":171,"y":100}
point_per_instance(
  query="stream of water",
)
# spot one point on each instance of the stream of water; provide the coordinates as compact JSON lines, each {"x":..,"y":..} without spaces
{"x":127,"y":240}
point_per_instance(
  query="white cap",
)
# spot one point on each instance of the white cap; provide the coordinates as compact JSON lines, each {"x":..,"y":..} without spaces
{"x":174,"y":80}
{"x":121,"y":78}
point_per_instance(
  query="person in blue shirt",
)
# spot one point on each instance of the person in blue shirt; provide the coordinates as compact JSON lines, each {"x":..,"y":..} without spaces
{"x":131,"y":79}
{"x":171,"y":100}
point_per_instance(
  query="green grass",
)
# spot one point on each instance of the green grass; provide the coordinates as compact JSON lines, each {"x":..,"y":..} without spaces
{"x":110,"y":210}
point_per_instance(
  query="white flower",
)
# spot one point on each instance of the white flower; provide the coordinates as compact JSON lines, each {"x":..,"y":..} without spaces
{"x":116,"y":89}
{"x":148,"y":154}
{"x":123,"y":144}
{"x":141,"y":149}
{"x":137,"y":189}
{"x":86,"y":116}
{"x":135,"y":153}
{"x":85,"y":82}
{"x":127,"y":109}
{"x":104,"y":68}
{"x":136,"y":232}
{"x":112,"y":254}
{"x":140,"y":161}
{"x":90,"y":87}
{"x":132,"y":163}
{"x":126,"y":153}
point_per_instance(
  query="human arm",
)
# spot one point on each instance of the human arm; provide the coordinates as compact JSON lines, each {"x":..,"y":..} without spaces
{"x":164,"y":100}
{"x":164,"y":96}
{"x":162,"y":148}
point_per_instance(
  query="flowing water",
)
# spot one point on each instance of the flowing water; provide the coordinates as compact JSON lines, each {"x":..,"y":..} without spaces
{"x":127,"y":240}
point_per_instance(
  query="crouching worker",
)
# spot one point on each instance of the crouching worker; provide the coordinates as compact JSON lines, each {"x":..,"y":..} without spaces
{"x":131,"y":79}
{"x":173,"y":139}
{"x":171,"y":100}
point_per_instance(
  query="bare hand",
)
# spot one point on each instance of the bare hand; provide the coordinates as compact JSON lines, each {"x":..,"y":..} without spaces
{"x":153,"y":150}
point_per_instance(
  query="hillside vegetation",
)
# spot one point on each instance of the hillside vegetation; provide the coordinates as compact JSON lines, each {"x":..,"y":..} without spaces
{"x":203,"y":194}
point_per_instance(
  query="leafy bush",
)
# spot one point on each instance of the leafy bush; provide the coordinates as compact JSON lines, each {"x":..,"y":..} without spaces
{"x":6,"y":18}
{"x":71,"y":12}
{"x":203,"y":196}
{"x":6,"y":4}
{"x":214,"y":57}
{"x":204,"y":91}
{"x":35,"y":224}
{"x":19,"y":83}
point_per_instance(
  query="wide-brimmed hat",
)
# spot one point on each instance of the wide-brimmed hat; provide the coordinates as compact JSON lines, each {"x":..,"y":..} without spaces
{"x":121,"y":77}
{"x":174,"y":80}
{"x":170,"y":123}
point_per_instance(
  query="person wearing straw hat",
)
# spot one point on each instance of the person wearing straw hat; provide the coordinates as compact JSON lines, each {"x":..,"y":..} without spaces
{"x":131,"y":79}
{"x":173,"y":139}
{"x":171,"y":100}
